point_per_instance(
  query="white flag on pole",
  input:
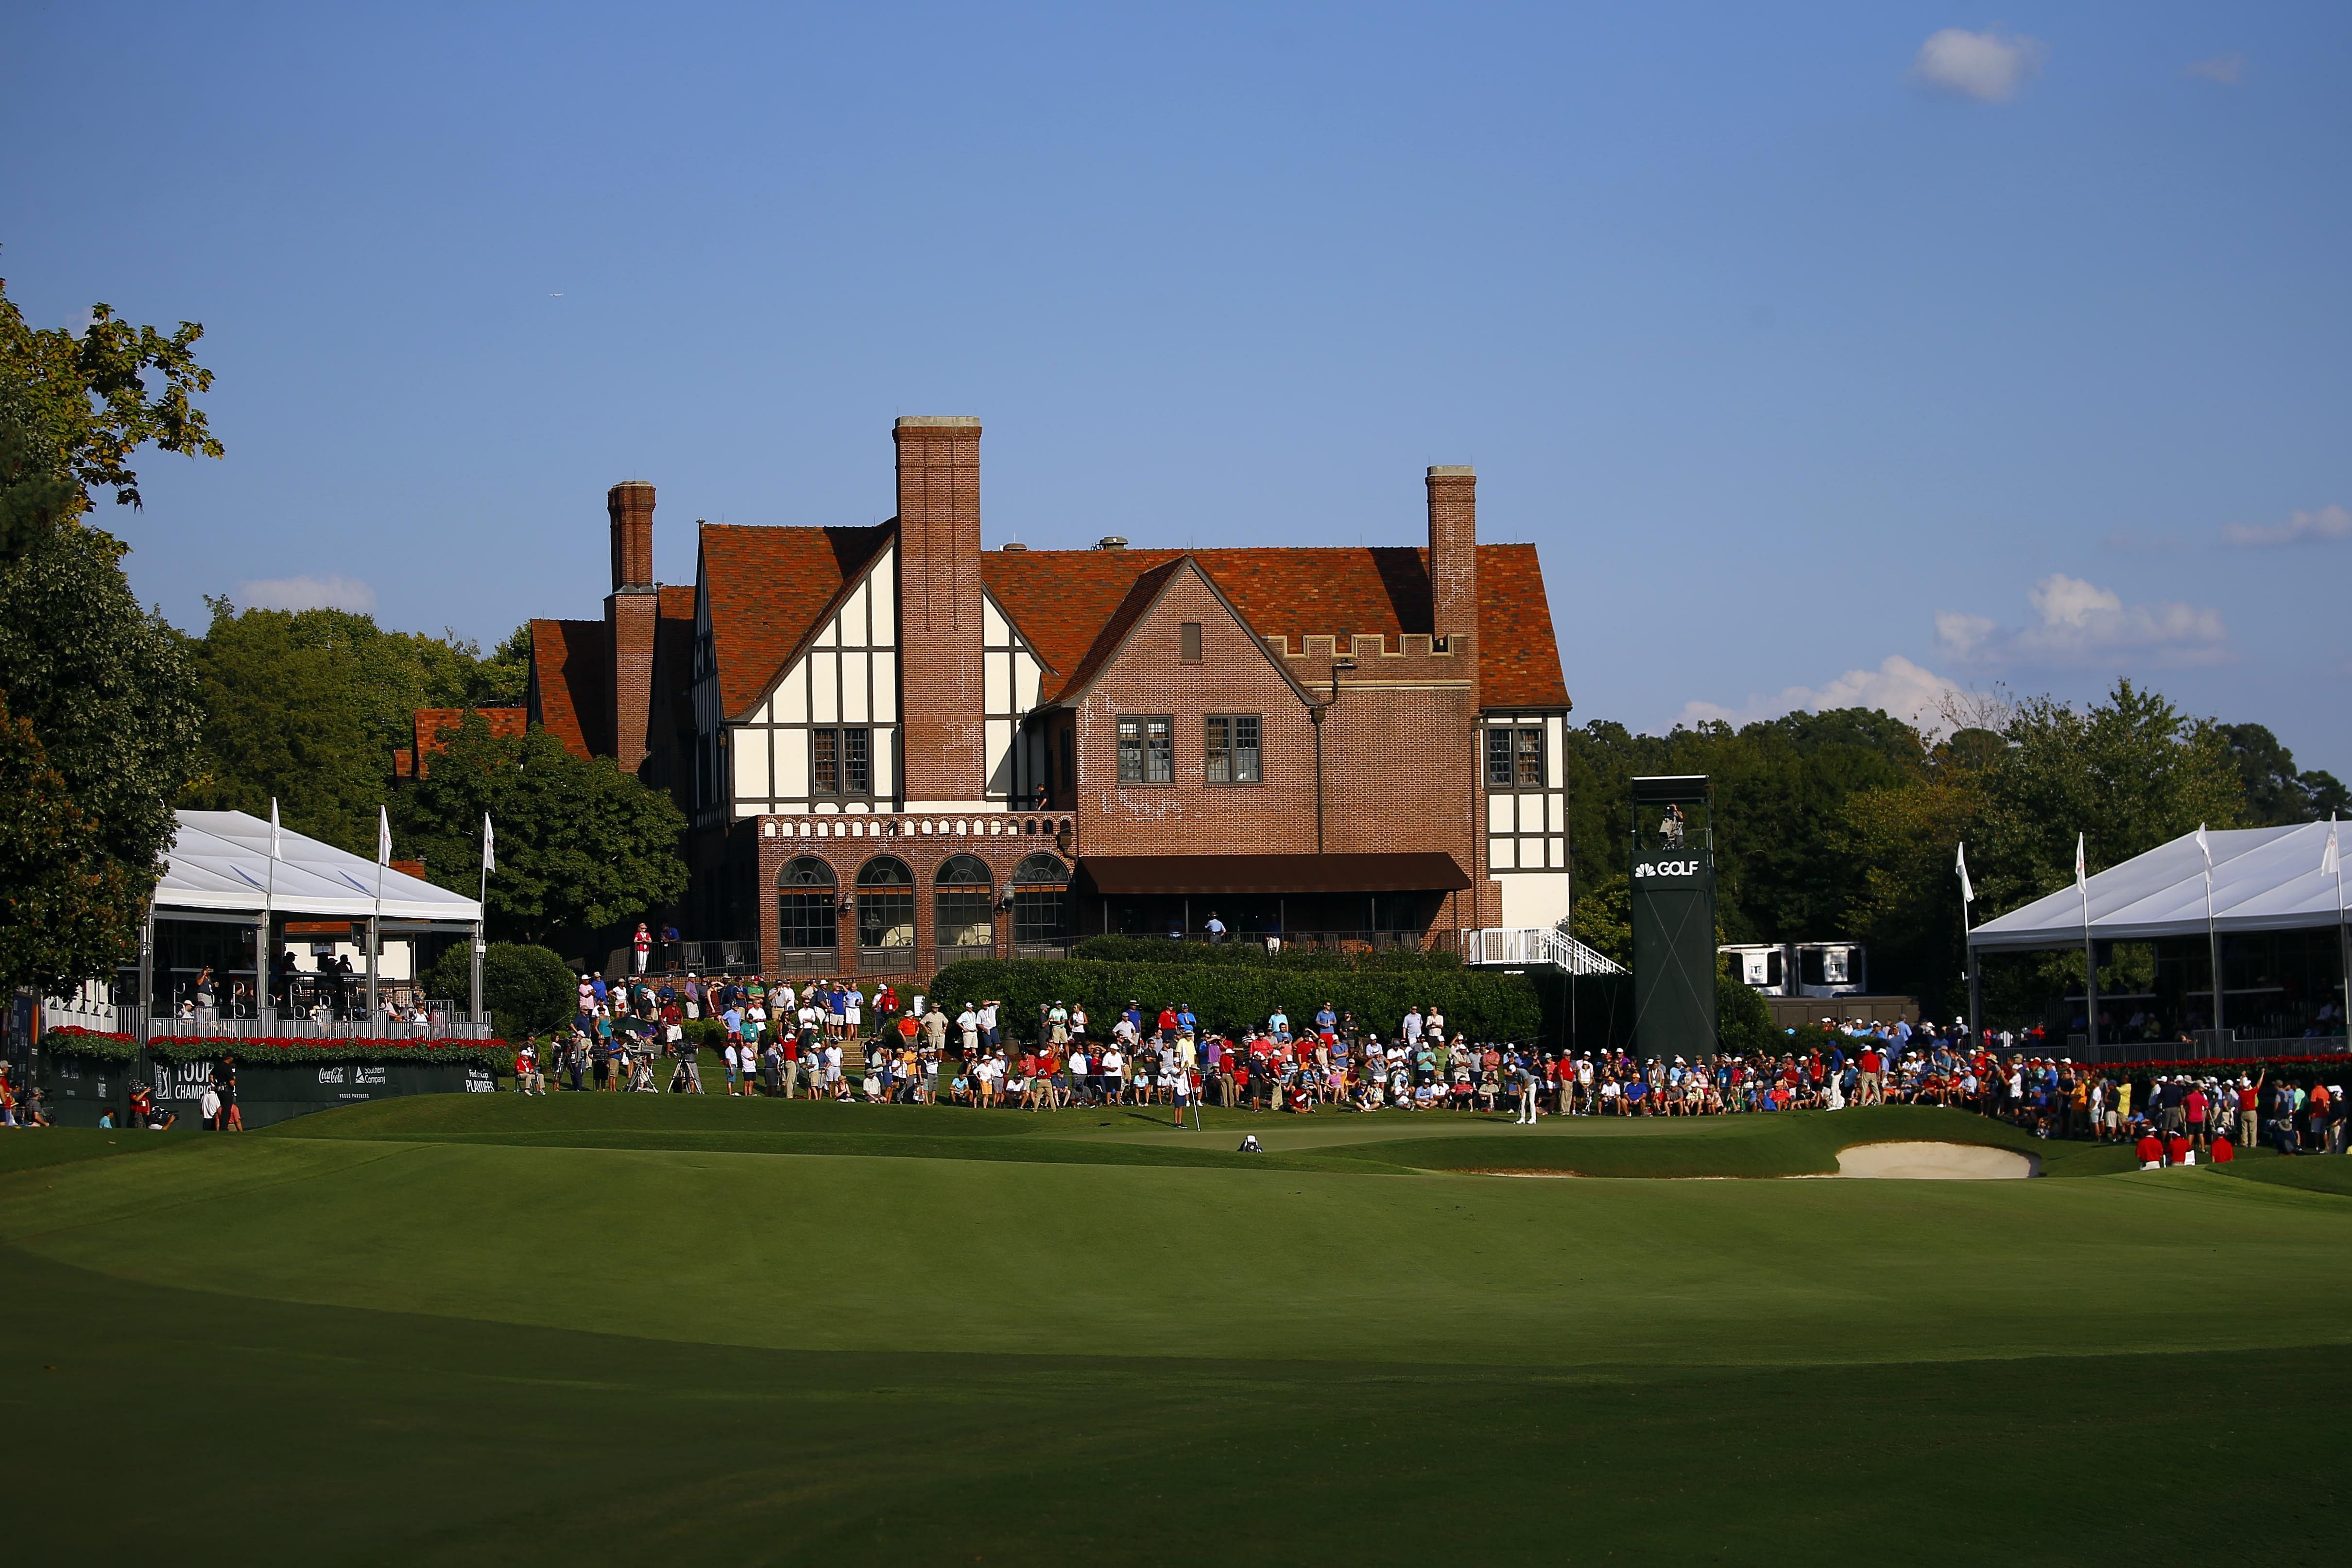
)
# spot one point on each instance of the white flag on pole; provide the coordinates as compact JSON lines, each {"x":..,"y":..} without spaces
{"x":2205,"y":844}
{"x":2330,"y":863}
{"x":489,"y":847}
{"x":383,"y":836}
{"x":1967,"y":889}
{"x":2082,"y":874}
{"x":276,"y":838}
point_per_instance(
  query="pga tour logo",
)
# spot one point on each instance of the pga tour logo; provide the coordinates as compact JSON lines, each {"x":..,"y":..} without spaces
{"x":1666,"y":868}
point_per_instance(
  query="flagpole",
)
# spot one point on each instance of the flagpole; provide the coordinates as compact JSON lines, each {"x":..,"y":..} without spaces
{"x":1969,"y":954}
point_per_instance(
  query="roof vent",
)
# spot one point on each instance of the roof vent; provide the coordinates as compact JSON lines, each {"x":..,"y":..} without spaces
{"x":1110,"y":542}
{"x":1015,"y":545}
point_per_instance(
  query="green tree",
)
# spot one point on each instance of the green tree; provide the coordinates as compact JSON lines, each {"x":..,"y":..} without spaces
{"x":67,"y":907}
{"x":583,"y":848}
{"x":1602,"y":918}
{"x":2276,"y":795}
{"x":526,"y":988}
{"x":91,"y":397}
{"x":107,"y":686}
{"x":308,"y":706}
{"x":100,"y":690}
{"x":2127,"y":774}
{"x":36,"y":496}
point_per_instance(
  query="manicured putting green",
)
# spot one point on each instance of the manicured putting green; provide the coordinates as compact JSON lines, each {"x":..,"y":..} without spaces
{"x":468,"y":1328}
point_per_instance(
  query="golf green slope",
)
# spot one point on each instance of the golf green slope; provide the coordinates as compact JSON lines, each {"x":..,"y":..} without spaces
{"x":472,"y":1328}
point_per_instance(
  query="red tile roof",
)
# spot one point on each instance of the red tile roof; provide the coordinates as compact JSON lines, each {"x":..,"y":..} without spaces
{"x":770,"y":589}
{"x":1069,"y":604}
{"x":433,"y":726}
{"x":572,"y":679}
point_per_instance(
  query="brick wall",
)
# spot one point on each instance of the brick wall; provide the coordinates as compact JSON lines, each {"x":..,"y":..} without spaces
{"x":939,"y":630}
{"x":902,"y":838}
{"x":1399,"y":747}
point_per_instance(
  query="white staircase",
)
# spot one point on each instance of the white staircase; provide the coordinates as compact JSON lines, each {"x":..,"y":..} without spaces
{"x":1533,"y":947}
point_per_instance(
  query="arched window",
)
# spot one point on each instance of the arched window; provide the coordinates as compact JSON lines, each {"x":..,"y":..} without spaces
{"x":806,"y":917}
{"x":1041,"y":904}
{"x":964,"y":912}
{"x":1040,"y":871}
{"x":885,"y":903}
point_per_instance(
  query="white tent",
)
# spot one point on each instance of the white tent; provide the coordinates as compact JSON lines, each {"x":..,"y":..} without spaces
{"x":220,"y":863}
{"x":2264,"y":879}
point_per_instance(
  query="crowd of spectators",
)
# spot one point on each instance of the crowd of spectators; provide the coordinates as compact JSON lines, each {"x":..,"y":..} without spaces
{"x":837,"y":1040}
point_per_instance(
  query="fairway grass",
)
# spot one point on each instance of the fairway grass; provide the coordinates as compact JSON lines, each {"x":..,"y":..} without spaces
{"x":627,"y":1329}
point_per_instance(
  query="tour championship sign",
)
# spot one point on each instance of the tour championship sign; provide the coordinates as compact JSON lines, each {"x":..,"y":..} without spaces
{"x":1674,"y":916}
{"x":274,"y":1079}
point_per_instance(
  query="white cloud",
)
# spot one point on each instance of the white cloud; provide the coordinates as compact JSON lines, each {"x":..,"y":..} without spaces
{"x":1990,"y":66}
{"x":307,"y":594}
{"x":1898,"y":686}
{"x":2229,"y":70}
{"x":2327,"y":523}
{"x":2080,"y":624}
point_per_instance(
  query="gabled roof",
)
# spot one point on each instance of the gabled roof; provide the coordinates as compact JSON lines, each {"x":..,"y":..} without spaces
{"x":2264,"y":879}
{"x":572,"y":670}
{"x":1140,"y":596}
{"x":768,"y":588}
{"x":1065,"y":601}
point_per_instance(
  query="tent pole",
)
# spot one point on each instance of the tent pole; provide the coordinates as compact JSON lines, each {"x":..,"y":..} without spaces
{"x":1976,"y":998}
{"x":2213,"y":943}
{"x":376,"y":944}
{"x":2091,"y":992}
{"x":147,"y":973}
{"x":477,"y":1002}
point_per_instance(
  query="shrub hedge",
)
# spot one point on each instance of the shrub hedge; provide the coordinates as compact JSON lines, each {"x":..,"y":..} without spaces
{"x":1228,"y":995}
{"x":525,"y":989}
{"x":93,"y":1046}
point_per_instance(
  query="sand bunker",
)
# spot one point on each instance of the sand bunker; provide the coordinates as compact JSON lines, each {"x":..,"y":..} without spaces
{"x":1935,"y":1162}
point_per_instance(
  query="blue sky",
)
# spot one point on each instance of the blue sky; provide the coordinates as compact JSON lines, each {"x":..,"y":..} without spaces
{"x":1830,"y":356}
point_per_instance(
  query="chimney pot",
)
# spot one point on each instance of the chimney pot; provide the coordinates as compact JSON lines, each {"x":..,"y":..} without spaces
{"x":1110,"y":542}
{"x":1013,"y":545}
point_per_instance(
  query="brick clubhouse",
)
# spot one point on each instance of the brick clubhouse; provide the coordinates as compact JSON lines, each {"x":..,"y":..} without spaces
{"x":896,"y":749}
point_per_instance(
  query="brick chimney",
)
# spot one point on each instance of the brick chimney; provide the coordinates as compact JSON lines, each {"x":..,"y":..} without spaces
{"x":1454,"y":557}
{"x":631,"y":612}
{"x":939,"y":608}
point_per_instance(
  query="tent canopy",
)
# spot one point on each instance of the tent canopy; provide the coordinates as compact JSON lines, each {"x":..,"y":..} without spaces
{"x":2264,"y":879}
{"x":220,"y":863}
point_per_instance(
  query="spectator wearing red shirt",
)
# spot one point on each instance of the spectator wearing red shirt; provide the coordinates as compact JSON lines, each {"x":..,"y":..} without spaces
{"x":2151,"y":1151}
{"x":2179,"y":1151}
{"x":2223,"y":1150}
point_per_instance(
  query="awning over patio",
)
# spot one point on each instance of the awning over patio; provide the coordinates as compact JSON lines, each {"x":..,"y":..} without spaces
{"x":1116,"y":875}
{"x":2264,"y":879}
{"x":220,"y":863}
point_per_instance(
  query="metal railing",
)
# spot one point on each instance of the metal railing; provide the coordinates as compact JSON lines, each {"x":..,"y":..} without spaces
{"x":1309,"y":941}
{"x":886,"y":960}
{"x":444,"y":1021}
